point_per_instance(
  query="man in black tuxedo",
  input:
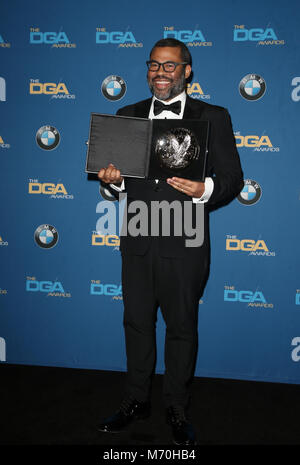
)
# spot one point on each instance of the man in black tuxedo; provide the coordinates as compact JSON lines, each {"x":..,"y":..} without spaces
{"x":162,"y":271}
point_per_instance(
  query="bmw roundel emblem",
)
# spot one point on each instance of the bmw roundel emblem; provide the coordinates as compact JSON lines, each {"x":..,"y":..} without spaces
{"x":252,"y":87}
{"x":46,"y":236}
{"x":113,"y":87}
{"x":251,"y":192}
{"x":47,"y":137}
{"x":107,"y":195}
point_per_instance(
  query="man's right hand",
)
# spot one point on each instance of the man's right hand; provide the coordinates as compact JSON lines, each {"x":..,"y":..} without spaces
{"x":110,"y":175}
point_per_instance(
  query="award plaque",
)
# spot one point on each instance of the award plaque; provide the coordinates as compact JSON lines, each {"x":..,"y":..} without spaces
{"x":149,"y":149}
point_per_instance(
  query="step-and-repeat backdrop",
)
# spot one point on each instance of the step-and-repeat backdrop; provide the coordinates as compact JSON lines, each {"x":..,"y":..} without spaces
{"x":60,"y":289}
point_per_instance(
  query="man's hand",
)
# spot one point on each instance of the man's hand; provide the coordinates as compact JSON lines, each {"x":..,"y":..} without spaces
{"x":110,"y":175}
{"x":191,"y":188}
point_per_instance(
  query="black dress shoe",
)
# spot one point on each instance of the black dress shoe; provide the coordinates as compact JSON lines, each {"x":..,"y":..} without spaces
{"x":130,"y":410}
{"x":183,"y":432}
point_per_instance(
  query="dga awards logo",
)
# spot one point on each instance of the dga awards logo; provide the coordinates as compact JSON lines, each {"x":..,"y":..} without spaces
{"x":108,"y":289}
{"x":2,"y":90}
{"x":56,"y":91}
{"x":124,"y":39}
{"x":256,"y":143}
{"x":55,"y":39}
{"x":258,"y":35}
{"x":254,"y":299}
{"x":108,"y":240}
{"x":46,"y":236}
{"x":47,"y":137}
{"x":251,"y":192}
{"x":3,"y":43}
{"x":51,"y":288}
{"x":296,"y":91}
{"x":252,"y":246}
{"x":2,"y":350}
{"x":3,"y":145}
{"x":252,"y":87}
{"x":195,"y":91}
{"x":113,"y":87}
{"x":50,"y":189}
{"x":190,"y":38}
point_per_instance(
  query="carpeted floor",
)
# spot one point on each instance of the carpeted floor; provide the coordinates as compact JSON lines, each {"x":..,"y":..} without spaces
{"x":60,"y":406}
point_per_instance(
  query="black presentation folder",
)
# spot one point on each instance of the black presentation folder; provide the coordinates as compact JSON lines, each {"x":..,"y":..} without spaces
{"x":149,"y":149}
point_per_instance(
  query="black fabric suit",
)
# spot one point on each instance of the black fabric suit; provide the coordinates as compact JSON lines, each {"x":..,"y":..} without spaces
{"x":162,"y":272}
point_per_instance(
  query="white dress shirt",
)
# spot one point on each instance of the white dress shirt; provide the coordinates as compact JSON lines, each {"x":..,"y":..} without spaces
{"x":209,"y":184}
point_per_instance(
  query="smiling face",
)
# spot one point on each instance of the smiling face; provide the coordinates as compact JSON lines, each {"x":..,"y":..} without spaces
{"x":166,"y":86}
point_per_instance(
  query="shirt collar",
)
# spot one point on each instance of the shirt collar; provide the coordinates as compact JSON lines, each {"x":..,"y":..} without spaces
{"x":181,"y":98}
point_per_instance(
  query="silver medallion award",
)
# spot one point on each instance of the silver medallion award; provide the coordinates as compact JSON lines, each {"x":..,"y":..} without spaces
{"x":177,"y":148}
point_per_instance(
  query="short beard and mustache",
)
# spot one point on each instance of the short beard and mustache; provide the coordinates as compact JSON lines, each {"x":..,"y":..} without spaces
{"x":173,"y":91}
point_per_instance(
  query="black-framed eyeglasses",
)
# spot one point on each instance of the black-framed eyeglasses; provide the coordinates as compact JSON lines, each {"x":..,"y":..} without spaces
{"x":168,"y":66}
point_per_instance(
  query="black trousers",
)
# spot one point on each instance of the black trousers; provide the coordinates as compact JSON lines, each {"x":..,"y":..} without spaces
{"x":175,"y":285}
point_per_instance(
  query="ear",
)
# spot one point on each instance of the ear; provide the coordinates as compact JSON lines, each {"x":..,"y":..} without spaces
{"x":188,"y":70}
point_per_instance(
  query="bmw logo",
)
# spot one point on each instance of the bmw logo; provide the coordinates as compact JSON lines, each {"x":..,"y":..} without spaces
{"x":251,"y":192}
{"x":113,"y":87}
{"x":46,"y":236}
{"x":47,"y":137}
{"x":252,"y":87}
{"x":107,"y":195}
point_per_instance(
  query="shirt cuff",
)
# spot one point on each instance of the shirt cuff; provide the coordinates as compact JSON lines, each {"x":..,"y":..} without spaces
{"x":118,"y":188}
{"x":208,"y":190}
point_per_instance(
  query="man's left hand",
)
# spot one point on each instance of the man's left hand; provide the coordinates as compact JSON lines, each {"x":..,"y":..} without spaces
{"x":191,"y":188}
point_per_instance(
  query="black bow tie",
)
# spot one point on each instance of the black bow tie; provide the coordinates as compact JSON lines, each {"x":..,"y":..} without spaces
{"x":159,"y":107}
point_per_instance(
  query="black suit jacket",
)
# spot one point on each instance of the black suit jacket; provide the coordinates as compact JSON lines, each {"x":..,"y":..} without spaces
{"x":223,"y":166}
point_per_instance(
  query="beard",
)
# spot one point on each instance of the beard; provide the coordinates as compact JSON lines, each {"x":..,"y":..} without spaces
{"x":177,"y":86}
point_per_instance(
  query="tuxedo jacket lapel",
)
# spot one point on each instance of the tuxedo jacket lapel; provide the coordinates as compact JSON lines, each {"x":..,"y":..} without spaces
{"x":193,"y":109}
{"x":137,"y":110}
{"x":142,"y":110}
